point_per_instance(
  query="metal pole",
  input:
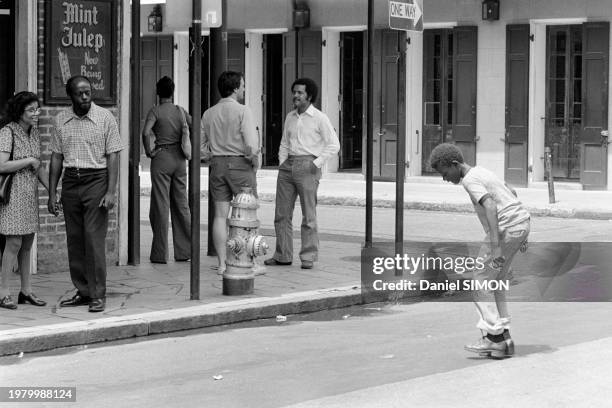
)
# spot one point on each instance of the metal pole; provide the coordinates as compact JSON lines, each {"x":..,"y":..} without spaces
{"x":194,"y":164}
{"x":370,"y":127}
{"x":549,"y":176}
{"x":400,"y":153}
{"x":134,"y":161}
{"x":218,"y":64}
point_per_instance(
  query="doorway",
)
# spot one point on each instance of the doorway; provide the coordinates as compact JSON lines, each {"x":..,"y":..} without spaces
{"x":449,"y":91}
{"x":272,"y":98}
{"x":564,"y":99}
{"x":156,"y":61}
{"x":287,"y":56}
{"x":577,"y":102}
{"x":351,"y":96}
{"x":388,"y":66}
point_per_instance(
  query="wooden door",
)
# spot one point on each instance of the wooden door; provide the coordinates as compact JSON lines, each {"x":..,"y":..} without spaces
{"x":386,"y":67}
{"x":449,"y":91}
{"x":289,"y":70}
{"x":437,"y":91}
{"x":389,"y":112}
{"x":165,"y":49}
{"x":564,"y":50}
{"x":594,"y":146}
{"x":235,"y":52}
{"x":464,"y":91}
{"x":148,"y":75}
{"x":301,"y":58}
{"x":156,"y":61}
{"x":309,"y":59}
{"x":517,"y":104}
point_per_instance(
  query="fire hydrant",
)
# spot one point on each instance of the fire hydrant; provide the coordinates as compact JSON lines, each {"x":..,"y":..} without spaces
{"x":244,"y":243}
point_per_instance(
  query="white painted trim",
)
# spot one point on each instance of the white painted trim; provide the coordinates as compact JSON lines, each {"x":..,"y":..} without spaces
{"x":5,"y":12}
{"x":25,"y":61}
{"x":537,"y":102}
{"x":254,"y":80}
{"x":449,"y":24}
{"x":181,"y":68}
{"x":267,"y":30}
{"x":346,"y":28}
{"x":32,"y":80}
{"x":414,"y":104}
{"x":204,"y":33}
{"x":330,"y":88}
{"x":124,"y":120}
{"x":558,"y":21}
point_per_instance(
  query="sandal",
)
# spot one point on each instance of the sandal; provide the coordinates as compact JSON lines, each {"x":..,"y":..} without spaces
{"x":7,"y":303}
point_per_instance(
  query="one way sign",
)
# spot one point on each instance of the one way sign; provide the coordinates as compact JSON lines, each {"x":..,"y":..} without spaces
{"x":406,"y":15}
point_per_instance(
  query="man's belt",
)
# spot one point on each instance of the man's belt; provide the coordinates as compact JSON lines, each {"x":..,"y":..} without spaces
{"x":83,"y":171}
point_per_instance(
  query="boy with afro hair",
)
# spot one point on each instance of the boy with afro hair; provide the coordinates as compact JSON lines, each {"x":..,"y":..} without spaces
{"x":506,"y":225}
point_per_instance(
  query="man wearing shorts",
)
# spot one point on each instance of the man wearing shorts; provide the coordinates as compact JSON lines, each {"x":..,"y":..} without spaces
{"x":229,"y":135}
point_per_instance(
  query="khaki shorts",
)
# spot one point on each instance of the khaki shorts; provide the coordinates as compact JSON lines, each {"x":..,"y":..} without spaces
{"x":228,"y":174}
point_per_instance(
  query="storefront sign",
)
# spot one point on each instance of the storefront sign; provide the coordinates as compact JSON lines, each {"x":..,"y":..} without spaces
{"x":80,"y":40}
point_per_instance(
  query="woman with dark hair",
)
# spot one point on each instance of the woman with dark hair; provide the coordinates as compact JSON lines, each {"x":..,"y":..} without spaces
{"x":19,"y":217}
{"x":161,"y":138}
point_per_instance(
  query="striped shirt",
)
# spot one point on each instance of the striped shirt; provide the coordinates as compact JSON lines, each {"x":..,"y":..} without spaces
{"x":85,"y":141}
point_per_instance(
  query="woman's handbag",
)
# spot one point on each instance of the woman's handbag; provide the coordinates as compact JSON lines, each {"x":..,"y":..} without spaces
{"x":185,"y":140}
{"x":6,"y":179}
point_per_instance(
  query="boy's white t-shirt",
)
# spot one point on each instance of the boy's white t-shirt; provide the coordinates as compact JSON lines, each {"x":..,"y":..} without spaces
{"x":479,"y":182}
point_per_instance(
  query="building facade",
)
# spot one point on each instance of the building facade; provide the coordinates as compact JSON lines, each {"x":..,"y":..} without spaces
{"x":503,"y":89}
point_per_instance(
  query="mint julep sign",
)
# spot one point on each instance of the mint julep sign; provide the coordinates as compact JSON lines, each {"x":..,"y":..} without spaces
{"x":80,"y":40}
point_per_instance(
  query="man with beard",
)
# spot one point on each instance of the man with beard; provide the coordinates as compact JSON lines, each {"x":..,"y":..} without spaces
{"x":230,"y":136}
{"x":308,"y":141}
{"x":86,"y":143}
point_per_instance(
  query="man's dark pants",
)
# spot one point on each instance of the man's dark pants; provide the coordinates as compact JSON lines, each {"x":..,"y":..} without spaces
{"x":297,"y":176}
{"x":86,"y":227}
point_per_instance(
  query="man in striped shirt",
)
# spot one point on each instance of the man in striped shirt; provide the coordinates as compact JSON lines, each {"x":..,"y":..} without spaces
{"x":86,"y":143}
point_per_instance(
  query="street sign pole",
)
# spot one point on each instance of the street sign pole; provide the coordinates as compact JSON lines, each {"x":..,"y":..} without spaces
{"x":194,"y":165}
{"x":400,"y":158}
{"x":404,"y":15}
{"x":134,"y":161}
{"x":369,"y":127}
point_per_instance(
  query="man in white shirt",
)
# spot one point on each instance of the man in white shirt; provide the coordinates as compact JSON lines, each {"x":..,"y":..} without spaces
{"x":308,"y":141}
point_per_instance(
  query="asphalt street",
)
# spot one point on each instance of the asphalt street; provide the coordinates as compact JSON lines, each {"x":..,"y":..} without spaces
{"x":349,"y":222}
{"x":381,"y":355}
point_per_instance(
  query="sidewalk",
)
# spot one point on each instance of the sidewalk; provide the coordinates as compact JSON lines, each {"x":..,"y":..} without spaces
{"x":433,"y":194}
{"x":152,"y":298}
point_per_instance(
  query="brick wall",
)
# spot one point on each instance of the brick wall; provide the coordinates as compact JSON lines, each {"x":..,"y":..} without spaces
{"x":52,"y":253}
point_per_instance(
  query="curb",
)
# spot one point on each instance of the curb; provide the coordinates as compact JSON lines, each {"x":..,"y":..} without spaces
{"x":548,"y":211}
{"x":48,"y":337}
